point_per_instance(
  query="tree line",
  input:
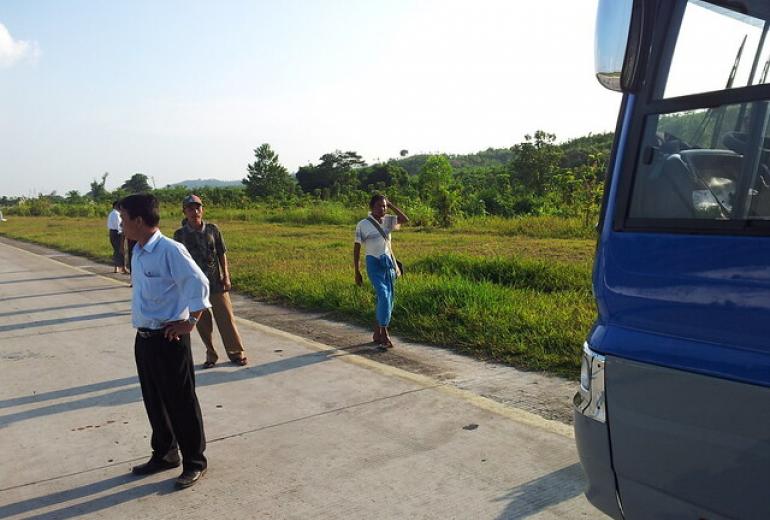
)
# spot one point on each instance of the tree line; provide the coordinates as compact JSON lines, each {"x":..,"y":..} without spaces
{"x":534,"y":177}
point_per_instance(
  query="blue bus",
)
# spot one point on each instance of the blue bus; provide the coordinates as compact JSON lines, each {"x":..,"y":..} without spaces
{"x":672,"y":417}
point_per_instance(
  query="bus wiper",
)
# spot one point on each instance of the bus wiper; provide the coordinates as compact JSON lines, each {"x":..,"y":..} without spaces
{"x":718,"y":113}
{"x":763,"y":78}
{"x":730,"y":81}
{"x":742,"y":111}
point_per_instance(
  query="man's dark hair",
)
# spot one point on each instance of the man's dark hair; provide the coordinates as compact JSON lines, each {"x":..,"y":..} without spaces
{"x":143,"y":205}
{"x":375,"y":199}
{"x":116,"y":204}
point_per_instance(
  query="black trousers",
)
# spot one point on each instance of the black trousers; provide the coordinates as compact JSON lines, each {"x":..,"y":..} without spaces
{"x":130,"y":252}
{"x":167,"y":378}
{"x":116,"y":241}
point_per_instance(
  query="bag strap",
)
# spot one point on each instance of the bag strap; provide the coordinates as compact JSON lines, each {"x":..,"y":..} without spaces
{"x":379,"y":228}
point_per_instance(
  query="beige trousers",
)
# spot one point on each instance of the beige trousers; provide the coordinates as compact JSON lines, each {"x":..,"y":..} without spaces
{"x":222,"y":310}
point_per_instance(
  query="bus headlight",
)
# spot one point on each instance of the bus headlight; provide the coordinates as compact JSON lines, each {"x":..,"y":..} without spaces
{"x":585,"y":373}
{"x":590,"y":400}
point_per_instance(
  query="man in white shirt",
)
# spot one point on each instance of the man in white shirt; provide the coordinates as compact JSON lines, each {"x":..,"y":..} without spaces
{"x":116,"y":239}
{"x":381,"y":267}
{"x":169,"y":294}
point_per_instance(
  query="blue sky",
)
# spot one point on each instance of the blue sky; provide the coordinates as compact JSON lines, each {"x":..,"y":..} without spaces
{"x":187,"y":89}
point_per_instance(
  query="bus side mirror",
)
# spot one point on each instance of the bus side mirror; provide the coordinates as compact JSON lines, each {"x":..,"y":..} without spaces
{"x":621,"y":43}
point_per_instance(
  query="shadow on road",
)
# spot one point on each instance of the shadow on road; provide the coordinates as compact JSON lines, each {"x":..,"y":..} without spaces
{"x":91,"y":506}
{"x":537,"y":495}
{"x":64,"y":277}
{"x":60,"y":293}
{"x":133,"y":394}
{"x":59,"y":321}
{"x":61,"y":308}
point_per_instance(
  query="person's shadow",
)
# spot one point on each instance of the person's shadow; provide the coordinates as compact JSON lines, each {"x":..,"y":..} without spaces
{"x":91,"y":506}
{"x":539,"y":494}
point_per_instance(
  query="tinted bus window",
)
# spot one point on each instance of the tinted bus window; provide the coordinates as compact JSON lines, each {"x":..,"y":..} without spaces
{"x":690,"y":168}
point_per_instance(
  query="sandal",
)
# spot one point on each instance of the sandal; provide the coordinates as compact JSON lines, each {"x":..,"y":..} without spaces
{"x":241,"y":362}
{"x":209,"y":364}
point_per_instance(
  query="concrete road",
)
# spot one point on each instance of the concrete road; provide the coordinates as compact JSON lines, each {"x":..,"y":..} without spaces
{"x":305,"y":431}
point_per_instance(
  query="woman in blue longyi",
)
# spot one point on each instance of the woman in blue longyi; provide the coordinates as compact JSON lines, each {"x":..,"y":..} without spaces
{"x":374,"y":233}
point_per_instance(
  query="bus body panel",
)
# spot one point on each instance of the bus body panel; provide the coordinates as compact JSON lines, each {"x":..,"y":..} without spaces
{"x":713,"y":292}
{"x":685,"y":445}
{"x":646,"y":503}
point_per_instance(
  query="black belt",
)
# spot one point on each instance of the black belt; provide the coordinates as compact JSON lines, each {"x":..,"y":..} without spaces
{"x":148,"y":333}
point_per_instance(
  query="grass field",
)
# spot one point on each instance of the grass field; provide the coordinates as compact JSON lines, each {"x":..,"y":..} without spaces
{"x":514,"y":291}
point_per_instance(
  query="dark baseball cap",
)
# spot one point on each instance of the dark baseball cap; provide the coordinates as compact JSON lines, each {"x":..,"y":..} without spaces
{"x":191,"y":199}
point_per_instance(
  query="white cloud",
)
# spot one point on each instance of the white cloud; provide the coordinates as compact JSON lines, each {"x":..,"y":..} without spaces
{"x":13,"y":51}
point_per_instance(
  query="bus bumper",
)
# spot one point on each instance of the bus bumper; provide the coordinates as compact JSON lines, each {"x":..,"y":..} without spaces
{"x":592,"y":435}
{"x":593,"y":445}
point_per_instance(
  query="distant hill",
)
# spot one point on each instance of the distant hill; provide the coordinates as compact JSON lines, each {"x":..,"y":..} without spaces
{"x":575,"y":152}
{"x":210,"y":183}
{"x":491,"y":157}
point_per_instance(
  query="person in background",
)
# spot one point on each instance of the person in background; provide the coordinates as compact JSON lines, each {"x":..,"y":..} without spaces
{"x":204,"y":242}
{"x":381,"y":267}
{"x":169,"y":294}
{"x":116,"y":239}
{"x":128,"y":247}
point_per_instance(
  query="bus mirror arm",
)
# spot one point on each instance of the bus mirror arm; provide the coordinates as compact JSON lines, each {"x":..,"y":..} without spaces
{"x":635,"y":61}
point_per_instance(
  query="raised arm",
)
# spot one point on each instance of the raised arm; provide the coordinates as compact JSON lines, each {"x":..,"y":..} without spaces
{"x":400,"y":214}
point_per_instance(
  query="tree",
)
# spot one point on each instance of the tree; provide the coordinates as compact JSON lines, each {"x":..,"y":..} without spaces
{"x":536,"y":162}
{"x":267,"y":177}
{"x":137,"y":184}
{"x":435,"y":174}
{"x":341,"y":161}
{"x":98,"y":192}
{"x":581,"y":188}
{"x":445,"y":202}
{"x":334,"y":175}
{"x":383,"y":175}
{"x":435,"y":185}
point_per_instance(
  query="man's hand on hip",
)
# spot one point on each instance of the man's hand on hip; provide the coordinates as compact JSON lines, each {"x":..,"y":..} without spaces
{"x":175,"y":329}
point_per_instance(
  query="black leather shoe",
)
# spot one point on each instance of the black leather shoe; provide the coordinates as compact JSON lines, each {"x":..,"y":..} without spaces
{"x":154,"y":466}
{"x":189,"y":477}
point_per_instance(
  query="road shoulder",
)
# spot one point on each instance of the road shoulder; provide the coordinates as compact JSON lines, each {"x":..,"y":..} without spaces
{"x":542,"y":395}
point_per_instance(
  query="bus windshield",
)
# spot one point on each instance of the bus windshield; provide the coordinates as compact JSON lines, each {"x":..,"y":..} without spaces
{"x":716,"y":49}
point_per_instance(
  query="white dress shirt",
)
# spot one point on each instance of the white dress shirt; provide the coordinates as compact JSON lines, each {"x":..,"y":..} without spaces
{"x":168,"y":285}
{"x":113,"y":220}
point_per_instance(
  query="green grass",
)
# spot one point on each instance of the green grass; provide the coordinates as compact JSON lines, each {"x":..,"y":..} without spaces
{"x":513,"y":272}
{"x":480,"y":288}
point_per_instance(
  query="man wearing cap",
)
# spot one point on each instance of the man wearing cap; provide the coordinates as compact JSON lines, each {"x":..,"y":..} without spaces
{"x":204,"y":242}
{"x":169,"y":294}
